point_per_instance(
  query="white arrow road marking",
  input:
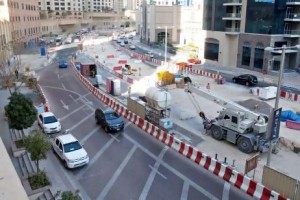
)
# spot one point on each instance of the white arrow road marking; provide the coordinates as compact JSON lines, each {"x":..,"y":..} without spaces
{"x":64,"y":105}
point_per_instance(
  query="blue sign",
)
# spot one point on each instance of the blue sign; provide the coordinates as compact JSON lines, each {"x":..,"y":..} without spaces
{"x":275,"y":124}
{"x":43,"y":51}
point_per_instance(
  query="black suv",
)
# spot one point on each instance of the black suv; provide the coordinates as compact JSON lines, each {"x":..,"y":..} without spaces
{"x":245,"y":79}
{"x":109,"y":120}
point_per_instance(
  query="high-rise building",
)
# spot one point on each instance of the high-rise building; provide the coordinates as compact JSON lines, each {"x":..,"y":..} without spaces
{"x":238,"y":31}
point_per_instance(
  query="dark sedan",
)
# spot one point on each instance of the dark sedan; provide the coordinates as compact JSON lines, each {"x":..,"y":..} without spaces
{"x":245,"y":79}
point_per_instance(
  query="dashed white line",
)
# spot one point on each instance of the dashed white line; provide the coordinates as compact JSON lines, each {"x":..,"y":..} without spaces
{"x":185,"y":191}
{"x":226,"y":188}
{"x":116,"y":174}
{"x":151,"y":177}
{"x":95,"y":158}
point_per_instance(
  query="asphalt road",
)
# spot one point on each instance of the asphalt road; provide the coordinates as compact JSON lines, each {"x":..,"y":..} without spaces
{"x":126,"y":165}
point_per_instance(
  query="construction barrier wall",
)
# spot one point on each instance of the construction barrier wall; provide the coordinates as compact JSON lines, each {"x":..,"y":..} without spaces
{"x":287,"y":185}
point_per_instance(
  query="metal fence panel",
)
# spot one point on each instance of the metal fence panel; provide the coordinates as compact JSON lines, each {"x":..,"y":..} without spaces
{"x":280,"y":182}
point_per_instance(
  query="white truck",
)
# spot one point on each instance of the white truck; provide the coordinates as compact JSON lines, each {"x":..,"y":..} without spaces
{"x":236,"y":124}
{"x":70,"y":151}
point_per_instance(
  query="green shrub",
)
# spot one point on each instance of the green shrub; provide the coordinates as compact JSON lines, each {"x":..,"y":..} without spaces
{"x":20,"y":143}
{"x":38,"y":180}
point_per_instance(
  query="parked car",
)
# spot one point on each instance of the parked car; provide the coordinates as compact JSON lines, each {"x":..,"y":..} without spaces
{"x":149,"y":54}
{"x":125,"y":41}
{"x":119,"y":40}
{"x":245,"y":79}
{"x":109,"y":120}
{"x":49,"y":123}
{"x":76,"y":40}
{"x":122,"y":44}
{"x":63,"y":64}
{"x":70,"y":151}
{"x":132,"y":47}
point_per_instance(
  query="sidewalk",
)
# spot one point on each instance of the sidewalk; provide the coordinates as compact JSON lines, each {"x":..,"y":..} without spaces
{"x":289,"y":80}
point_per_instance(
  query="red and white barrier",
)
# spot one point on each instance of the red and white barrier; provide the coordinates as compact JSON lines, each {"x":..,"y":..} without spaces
{"x":240,"y":181}
{"x":289,"y":95}
{"x":44,"y":99}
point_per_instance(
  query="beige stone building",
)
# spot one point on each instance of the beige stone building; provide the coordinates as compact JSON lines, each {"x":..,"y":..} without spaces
{"x":25,"y":21}
{"x":5,"y":34}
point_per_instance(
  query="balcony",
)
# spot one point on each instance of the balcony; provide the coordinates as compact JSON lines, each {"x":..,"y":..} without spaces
{"x":232,"y":31}
{"x":232,"y":3}
{"x":292,"y":2}
{"x":103,"y":14}
{"x":232,"y":16}
{"x":68,"y":21}
{"x":291,"y":33}
{"x":292,"y":17}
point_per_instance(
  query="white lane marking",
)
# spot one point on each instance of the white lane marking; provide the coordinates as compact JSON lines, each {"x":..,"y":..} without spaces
{"x":95,"y":158}
{"x":151,"y":177}
{"x":71,"y":180}
{"x":63,"y":86}
{"x":226,"y":188}
{"x":72,"y":97}
{"x":185,"y":191}
{"x":156,"y":171}
{"x":81,"y":121}
{"x":116,"y":174}
{"x":174,"y":171}
{"x":87,"y":136}
{"x":127,"y":124}
{"x":70,"y":113}
{"x":64,"y":105}
{"x":114,"y":137}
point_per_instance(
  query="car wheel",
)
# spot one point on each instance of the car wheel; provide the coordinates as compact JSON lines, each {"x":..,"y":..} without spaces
{"x":244,"y":145}
{"x":247,"y":83}
{"x":106,"y":129}
{"x":217,"y":132}
{"x":234,"y":80}
{"x":54,"y":152}
{"x":65,"y":164}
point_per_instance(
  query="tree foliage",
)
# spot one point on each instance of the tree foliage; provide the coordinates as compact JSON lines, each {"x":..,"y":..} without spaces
{"x":20,"y":111}
{"x":37,"y":144}
{"x":68,"y":195}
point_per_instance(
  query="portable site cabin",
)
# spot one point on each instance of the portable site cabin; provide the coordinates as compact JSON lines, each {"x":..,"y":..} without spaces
{"x":87,"y":66}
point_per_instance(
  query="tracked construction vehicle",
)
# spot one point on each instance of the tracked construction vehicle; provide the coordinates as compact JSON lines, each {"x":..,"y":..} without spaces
{"x":236,"y":124}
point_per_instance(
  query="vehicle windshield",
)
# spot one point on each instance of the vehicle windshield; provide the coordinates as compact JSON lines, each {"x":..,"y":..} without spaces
{"x":73,"y":146}
{"x":50,"y":119}
{"x":111,"y":116}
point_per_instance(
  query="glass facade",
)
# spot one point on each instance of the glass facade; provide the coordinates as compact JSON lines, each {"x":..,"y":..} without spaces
{"x":265,"y":16}
{"x":212,"y":17}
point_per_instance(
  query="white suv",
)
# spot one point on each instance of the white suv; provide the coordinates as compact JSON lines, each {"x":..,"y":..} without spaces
{"x":70,"y":151}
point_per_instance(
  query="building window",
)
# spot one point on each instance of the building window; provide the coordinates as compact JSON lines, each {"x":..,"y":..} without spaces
{"x":211,"y":49}
{"x":259,"y":56}
{"x":246,"y":57}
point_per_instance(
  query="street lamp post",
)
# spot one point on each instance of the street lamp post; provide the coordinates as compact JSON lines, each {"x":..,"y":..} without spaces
{"x":270,"y":121}
{"x":166,"y":43}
